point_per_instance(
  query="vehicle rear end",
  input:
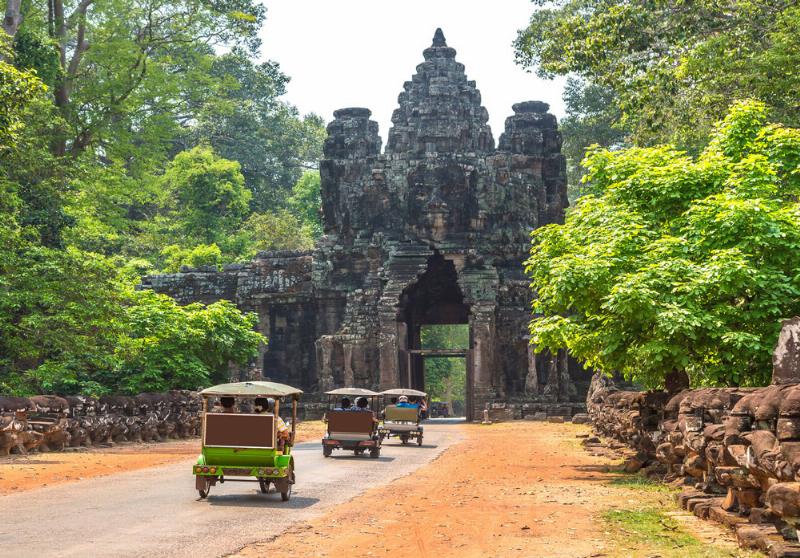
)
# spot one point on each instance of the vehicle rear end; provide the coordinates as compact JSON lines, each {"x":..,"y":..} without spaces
{"x":240,"y":445}
{"x":351,"y":430}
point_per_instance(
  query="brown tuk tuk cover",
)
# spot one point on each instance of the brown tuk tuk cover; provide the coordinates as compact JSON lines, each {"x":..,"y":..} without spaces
{"x":356,"y":422}
{"x":239,"y":430}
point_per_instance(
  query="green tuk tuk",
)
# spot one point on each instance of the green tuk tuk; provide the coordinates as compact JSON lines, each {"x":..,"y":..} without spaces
{"x":352,"y":425}
{"x":244,"y":436}
{"x":399,"y":420}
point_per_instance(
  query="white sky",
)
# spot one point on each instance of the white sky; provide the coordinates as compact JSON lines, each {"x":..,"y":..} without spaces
{"x":343,"y":53}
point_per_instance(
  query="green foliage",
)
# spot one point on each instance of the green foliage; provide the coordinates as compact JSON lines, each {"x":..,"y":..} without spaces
{"x":306,"y":201}
{"x":244,"y":121}
{"x":672,"y":66}
{"x":17,"y":89}
{"x":592,"y":119}
{"x":279,"y":230}
{"x":35,"y":51}
{"x":176,"y":257}
{"x":445,"y":377}
{"x":136,"y":138}
{"x":674,"y":262}
{"x":168,"y":346}
{"x":208,"y":193}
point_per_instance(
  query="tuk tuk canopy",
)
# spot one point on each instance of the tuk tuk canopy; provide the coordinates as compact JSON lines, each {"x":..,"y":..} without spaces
{"x":252,"y":389}
{"x":404,"y":391}
{"x":354,"y":392}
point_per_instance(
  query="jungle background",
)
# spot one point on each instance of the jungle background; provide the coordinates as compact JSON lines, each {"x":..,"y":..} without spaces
{"x":138,"y":136}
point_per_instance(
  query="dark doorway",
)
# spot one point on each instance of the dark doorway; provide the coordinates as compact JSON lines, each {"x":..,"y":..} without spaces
{"x":434,"y":300}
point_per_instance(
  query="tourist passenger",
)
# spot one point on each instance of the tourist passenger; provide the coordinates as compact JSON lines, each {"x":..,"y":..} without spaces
{"x":227,"y":405}
{"x":267,"y":405}
{"x":344,"y":405}
{"x":402,"y":402}
{"x":363,"y":405}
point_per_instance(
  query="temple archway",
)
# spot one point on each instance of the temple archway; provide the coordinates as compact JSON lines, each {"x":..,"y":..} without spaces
{"x":435,"y":299}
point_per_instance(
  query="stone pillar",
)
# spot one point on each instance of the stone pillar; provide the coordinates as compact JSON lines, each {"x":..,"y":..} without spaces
{"x":482,"y":332}
{"x":348,"y":376}
{"x":388,"y":355}
{"x":532,"y":377}
{"x":324,"y":346}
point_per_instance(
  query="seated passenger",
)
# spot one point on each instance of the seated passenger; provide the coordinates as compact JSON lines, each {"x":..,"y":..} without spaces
{"x":345,"y":405}
{"x":402,"y":402}
{"x":363,"y":405}
{"x":226,"y":405}
{"x":264,"y":405}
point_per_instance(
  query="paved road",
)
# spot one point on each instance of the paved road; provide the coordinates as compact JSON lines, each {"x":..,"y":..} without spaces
{"x":156,"y":512}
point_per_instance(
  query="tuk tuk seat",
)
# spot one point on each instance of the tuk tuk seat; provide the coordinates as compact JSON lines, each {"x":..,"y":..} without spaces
{"x":350,"y":425}
{"x":401,"y":414}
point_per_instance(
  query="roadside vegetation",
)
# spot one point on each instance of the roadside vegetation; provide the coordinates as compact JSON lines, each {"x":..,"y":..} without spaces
{"x":136,"y":138}
{"x":645,"y":520}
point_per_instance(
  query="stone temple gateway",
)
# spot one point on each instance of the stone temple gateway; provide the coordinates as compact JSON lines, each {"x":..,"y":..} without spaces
{"x":433,"y":230}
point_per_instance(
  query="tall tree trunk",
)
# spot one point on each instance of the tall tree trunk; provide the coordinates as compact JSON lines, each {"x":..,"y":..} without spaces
{"x":12,"y":19}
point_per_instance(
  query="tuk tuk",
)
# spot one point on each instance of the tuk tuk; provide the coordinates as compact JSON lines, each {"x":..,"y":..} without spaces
{"x":402,"y":421}
{"x":244,"y":439}
{"x":350,"y":426}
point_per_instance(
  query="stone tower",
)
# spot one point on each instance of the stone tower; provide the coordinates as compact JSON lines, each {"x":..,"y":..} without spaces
{"x":432,"y":231}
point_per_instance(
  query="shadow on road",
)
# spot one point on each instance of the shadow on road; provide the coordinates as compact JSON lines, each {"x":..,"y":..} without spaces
{"x":445,"y":420}
{"x":271,"y":500}
{"x":345,"y":457}
{"x":409,"y":445}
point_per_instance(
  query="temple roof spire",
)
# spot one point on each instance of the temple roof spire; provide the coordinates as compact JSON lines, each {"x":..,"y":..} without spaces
{"x":438,"y":38}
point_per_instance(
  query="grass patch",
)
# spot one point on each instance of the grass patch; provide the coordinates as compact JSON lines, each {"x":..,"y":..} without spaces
{"x":640,"y":482}
{"x":649,"y":532}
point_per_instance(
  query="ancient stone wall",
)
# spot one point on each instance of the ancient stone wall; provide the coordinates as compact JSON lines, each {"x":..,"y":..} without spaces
{"x":433,"y":230}
{"x":739,"y":447}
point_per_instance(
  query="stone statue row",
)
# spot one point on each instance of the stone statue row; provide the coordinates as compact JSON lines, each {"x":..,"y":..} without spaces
{"x":740,"y":447}
{"x":52,"y":423}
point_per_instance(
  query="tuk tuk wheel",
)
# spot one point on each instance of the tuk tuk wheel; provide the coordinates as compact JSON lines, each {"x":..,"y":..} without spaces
{"x":375,"y":453}
{"x":327,"y":451}
{"x":358,"y":451}
{"x":264,"y":484}
{"x":419,"y":440}
{"x":404,"y":438}
{"x":288,"y":494}
{"x":203,"y":492}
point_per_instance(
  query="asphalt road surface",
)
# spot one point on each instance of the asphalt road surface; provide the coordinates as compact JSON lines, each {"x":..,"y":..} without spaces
{"x":156,"y":511}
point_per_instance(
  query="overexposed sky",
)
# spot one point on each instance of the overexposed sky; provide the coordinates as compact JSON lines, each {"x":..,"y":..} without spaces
{"x":343,"y":53}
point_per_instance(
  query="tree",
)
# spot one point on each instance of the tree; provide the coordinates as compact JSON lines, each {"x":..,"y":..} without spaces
{"x":242,"y":119}
{"x":306,"y":202}
{"x":208,"y":193}
{"x":673,"y":66}
{"x":279,"y":230}
{"x":592,"y":119}
{"x":675,"y":263}
{"x":117,"y":59}
{"x":167,"y":346}
{"x":17,"y":90}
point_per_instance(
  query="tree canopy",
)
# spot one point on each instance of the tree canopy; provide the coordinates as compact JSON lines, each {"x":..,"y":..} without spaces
{"x":677,"y":263}
{"x":138,"y":136}
{"x":673,"y":66}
